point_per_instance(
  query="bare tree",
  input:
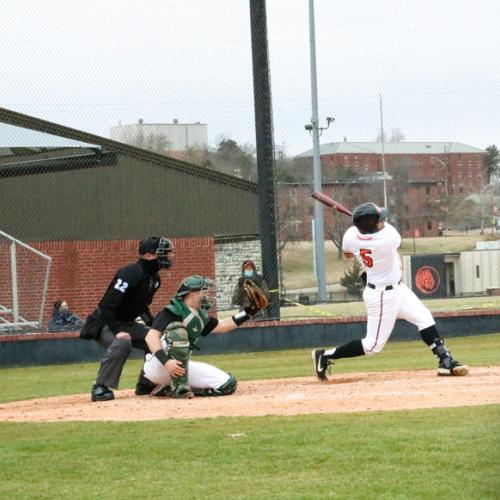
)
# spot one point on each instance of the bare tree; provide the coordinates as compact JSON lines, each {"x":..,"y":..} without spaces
{"x":398,"y":191}
{"x":396,"y":136}
{"x":484,"y":202}
{"x":157,"y":143}
{"x":336,"y":230}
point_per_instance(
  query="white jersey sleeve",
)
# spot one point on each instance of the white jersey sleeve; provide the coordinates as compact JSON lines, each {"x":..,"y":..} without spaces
{"x":377,"y":253}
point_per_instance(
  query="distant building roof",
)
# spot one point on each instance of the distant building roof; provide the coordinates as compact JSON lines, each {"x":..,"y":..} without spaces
{"x":394,"y":148}
{"x":17,"y":119}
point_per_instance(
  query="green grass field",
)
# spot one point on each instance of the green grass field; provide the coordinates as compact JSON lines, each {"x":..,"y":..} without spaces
{"x":424,"y":454}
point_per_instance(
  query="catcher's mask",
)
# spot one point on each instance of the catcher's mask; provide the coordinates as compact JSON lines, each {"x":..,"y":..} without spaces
{"x":160,"y":246}
{"x":366,"y":217}
{"x":197,"y":283}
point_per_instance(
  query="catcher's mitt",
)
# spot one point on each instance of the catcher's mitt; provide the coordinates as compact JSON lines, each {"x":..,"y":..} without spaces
{"x":258,"y":299}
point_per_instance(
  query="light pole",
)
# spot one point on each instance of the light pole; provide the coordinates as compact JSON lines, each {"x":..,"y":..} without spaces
{"x":383,"y":151}
{"x":317,"y":230}
{"x":314,"y":129}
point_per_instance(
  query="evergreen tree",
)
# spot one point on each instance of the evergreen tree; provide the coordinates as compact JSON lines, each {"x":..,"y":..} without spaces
{"x":353,"y":280}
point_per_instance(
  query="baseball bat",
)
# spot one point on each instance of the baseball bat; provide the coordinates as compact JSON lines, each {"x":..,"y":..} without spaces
{"x":329,"y":202}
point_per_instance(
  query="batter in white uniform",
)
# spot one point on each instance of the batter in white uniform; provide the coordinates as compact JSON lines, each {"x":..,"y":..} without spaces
{"x":375,"y":243}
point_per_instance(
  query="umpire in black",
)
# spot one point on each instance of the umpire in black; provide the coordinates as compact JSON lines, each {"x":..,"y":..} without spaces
{"x":115,"y":323}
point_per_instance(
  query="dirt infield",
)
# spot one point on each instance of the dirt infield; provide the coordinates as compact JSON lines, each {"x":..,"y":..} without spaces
{"x":380,"y":391}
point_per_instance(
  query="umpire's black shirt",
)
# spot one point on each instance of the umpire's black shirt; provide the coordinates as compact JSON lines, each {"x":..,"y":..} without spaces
{"x":130,"y":294}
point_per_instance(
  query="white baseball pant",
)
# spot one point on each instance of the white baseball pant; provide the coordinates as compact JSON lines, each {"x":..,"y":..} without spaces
{"x":200,"y":375}
{"x":383,"y":307}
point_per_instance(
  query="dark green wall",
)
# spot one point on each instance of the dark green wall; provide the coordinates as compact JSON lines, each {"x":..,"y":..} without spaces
{"x":124,"y":201}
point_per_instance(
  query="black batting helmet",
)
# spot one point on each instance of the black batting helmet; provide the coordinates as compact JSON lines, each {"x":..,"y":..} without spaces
{"x":366,"y":217}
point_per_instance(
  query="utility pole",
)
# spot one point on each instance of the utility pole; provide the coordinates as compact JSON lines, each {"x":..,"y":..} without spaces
{"x":383,"y":151}
{"x":319,"y":238}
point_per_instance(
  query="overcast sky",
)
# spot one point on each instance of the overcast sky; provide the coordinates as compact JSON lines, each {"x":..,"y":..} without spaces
{"x":95,"y":63}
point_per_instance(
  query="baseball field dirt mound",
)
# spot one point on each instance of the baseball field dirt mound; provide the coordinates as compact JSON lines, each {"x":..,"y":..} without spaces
{"x":356,"y":392}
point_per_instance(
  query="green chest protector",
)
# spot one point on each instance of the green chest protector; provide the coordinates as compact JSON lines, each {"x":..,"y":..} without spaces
{"x":193,"y":322}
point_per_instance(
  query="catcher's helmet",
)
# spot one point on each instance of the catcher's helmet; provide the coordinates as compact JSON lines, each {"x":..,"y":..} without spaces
{"x":160,"y":246}
{"x":366,"y":217}
{"x":198,"y":283}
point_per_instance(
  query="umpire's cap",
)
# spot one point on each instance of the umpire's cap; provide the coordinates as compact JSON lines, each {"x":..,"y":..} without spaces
{"x":366,"y":217}
{"x":149,"y":245}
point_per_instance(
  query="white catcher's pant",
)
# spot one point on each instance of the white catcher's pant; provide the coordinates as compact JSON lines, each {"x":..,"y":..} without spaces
{"x":200,"y":375}
{"x":383,"y":307}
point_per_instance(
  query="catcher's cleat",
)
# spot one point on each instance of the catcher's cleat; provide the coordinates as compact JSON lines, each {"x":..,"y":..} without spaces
{"x":161,"y":391}
{"x":452,"y":368}
{"x":144,"y":389}
{"x":101,"y":393}
{"x":181,"y":392}
{"x":320,"y":363}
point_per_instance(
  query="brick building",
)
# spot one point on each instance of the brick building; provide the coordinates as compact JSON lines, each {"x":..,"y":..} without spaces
{"x":421,"y":180}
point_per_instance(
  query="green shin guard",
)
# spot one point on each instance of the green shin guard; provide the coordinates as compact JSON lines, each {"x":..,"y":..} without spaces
{"x":179,"y":349}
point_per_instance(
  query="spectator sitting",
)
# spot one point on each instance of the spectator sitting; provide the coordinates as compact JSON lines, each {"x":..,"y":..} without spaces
{"x":249,"y":272}
{"x":63,"y":319}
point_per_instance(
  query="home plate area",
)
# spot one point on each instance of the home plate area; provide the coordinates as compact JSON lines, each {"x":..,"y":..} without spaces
{"x":345,"y":393}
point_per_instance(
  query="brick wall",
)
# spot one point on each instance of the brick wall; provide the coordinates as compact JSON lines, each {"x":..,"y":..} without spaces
{"x":82,"y":270}
{"x":228,"y":262}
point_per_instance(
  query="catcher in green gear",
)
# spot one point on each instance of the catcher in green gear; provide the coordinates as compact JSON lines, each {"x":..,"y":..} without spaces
{"x":174,"y":334}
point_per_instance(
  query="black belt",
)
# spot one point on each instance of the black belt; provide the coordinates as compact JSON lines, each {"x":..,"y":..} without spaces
{"x":388,"y":287}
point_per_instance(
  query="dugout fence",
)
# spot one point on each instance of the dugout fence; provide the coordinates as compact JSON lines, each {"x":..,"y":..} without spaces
{"x":25,"y":278}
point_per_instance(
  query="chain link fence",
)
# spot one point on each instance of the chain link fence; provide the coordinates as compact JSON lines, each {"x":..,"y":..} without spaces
{"x":157,"y":132}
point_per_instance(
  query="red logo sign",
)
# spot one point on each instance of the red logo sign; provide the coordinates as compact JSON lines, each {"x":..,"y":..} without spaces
{"x":427,"y":280}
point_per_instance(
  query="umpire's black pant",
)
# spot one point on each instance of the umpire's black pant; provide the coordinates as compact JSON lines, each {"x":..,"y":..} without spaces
{"x":118,"y":350}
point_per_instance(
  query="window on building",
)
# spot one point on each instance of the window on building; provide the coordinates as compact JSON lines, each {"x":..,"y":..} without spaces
{"x":427,"y":190}
{"x":477,"y":271}
{"x":429,"y":225}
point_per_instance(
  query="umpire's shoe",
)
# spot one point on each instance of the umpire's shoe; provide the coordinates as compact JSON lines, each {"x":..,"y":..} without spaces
{"x":452,"y":367}
{"x":320,"y":363}
{"x":102,"y":393}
